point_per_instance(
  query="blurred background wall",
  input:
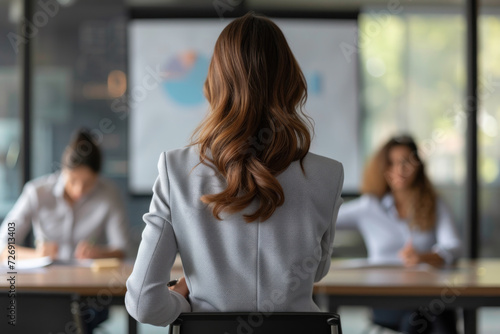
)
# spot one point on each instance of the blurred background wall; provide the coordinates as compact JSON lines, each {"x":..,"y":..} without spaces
{"x":412,"y":78}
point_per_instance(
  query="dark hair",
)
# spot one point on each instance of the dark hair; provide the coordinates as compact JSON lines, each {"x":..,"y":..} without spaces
{"x":256,"y":91}
{"x":423,"y":196}
{"x":82,"y":151}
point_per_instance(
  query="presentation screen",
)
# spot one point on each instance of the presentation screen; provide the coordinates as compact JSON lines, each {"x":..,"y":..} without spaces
{"x":168,"y":64}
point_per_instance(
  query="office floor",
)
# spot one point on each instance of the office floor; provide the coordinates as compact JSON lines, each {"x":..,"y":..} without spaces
{"x":354,"y":321}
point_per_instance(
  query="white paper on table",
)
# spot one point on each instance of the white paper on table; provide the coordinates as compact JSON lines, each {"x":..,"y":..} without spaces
{"x":29,"y":263}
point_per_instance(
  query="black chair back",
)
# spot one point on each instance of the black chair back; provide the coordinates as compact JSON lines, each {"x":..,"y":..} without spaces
{"x":257,"y":323}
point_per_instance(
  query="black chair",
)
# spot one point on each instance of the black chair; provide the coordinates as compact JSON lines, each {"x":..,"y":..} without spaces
{"x":40,"y":313}
{"x":257,"y":323}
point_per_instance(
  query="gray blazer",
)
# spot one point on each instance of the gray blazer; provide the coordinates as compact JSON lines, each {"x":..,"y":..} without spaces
{"x":231,"y":265}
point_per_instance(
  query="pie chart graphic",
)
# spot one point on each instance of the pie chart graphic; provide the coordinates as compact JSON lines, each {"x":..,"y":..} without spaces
{"x":185,"y":75}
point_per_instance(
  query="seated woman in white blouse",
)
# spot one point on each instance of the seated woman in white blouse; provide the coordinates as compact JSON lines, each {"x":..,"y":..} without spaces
{"x":74,"y":212}
{"x":401,"y":218}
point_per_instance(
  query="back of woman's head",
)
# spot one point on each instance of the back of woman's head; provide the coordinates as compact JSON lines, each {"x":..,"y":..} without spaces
{"x":82,"y":151}
{"x":255,"y":127}
{"x":422,"y":199}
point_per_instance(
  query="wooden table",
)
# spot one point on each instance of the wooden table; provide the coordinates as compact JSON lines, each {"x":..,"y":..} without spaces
{"x":80,"y":280}
{"x":98,"y":288}
{"x":469,"y":285}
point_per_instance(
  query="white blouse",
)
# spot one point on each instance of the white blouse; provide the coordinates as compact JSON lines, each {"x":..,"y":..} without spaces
{"x":385,"y":234}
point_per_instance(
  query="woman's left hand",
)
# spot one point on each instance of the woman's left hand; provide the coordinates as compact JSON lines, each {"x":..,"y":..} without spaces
{"x":411,"y":258}
{"x":409,"y":255}
{"x":181,"y":287}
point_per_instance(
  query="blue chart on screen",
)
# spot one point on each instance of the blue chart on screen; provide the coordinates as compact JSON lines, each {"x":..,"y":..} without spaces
{"x":186,"y":72}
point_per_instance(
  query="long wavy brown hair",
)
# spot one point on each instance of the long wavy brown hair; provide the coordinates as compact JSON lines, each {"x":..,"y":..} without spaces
{"x":423,"y":197}
{"x":255,"y":127}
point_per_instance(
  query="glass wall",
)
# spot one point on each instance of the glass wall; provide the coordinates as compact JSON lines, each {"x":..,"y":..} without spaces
{"x":80,"y":80}
{"x":10,"y":121}
{"x":413,"y":81}
{"x":79,"y":69}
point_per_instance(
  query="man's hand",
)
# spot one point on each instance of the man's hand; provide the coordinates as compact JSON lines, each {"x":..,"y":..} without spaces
{"x":86,"y":250}
{"x":47,"y":248}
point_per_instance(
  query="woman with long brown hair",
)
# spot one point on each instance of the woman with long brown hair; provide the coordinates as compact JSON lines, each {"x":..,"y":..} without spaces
{"x":402,"y":220}
{"x":249,"y":210}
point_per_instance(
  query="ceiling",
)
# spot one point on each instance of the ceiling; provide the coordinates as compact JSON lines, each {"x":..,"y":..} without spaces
{"x":276,"y":5}
{"x":306,"y":4}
